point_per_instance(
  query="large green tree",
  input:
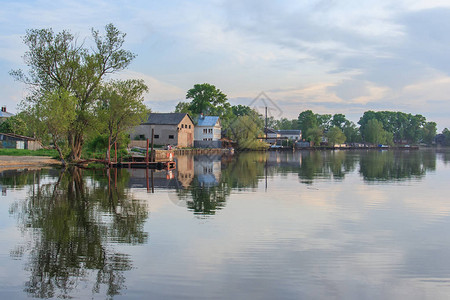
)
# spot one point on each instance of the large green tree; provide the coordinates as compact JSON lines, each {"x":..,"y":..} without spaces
{"x":307,"y":120}
{"x":246,"y":131}
{"x":58,"y":64}
{"x":429,"y":131}
{"x":314,"y":135}
{"x":53,"y":118}
{"x":206,"y":99}
{"x":121,"y":107}
{"x":375,"y":134}
{"x":403,"y":126}
{"x":335,"y":136}
{"x":14,"y":124}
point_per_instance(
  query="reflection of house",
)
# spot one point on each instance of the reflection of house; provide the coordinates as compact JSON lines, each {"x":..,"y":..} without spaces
{"x":207,"y":169}
{"x":15,"y":141}
{"x":4,"y":114}
{"x":169,"y":128}
{"x":208,"y":132}
{"x":185,"y":169}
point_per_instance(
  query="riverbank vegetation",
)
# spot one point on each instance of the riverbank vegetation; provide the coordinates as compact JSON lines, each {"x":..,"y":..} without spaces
{"x":73,"y":98}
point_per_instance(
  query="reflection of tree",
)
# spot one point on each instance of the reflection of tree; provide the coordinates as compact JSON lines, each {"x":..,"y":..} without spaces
{"x":71,"y":222}
{"x":396,"y":165}
{"x":324,"y":164}
{"x":245,"y":170}
{"x":207,"y":200}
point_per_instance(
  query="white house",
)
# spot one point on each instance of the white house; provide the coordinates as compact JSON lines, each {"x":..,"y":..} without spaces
{"x":274,"y":136}
{"x":207,"y":132}
{"x":293,"y":135}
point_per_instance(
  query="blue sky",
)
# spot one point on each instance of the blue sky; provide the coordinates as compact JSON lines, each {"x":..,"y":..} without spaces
{"x":328,"y":56}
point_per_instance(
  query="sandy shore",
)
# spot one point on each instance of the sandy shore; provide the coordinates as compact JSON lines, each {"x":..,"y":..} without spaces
{"x":10,"y":162}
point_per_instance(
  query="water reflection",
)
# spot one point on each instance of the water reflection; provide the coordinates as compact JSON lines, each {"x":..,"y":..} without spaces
{"x":203,"y":183}
{"x":71,"y":217}
{"x":75,"y":219}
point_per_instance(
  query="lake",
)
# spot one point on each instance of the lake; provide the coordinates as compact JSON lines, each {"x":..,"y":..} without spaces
{"x":277,"y":225}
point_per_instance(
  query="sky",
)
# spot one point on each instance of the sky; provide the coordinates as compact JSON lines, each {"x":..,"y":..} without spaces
{"x":328,"y":56}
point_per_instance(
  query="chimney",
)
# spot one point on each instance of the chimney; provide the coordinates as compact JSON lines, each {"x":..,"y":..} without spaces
{"x":3,"y":108}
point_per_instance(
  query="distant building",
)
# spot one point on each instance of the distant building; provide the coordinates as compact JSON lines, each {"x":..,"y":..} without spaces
{"x":169,"y":128}
{"x":15,"y":141}
{"x":274,"y":136}
{"x":208,"y":132}
{"x":4,"y":114}
{"x":293,"y":135}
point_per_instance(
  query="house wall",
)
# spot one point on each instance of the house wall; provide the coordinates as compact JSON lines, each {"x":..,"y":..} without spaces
{"x":161,"y":133}
{"x":211,"y":134}
{"x":180,"y":135}
{"x":185,"y":133}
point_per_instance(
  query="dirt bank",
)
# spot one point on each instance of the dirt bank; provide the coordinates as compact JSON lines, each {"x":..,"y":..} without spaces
{"x":10,"y":162}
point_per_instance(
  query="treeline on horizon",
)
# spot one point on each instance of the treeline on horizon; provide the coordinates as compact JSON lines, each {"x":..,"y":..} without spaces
{"x":381,"y":127}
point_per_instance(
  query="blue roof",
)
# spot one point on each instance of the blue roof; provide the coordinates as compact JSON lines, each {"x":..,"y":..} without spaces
{"x":5,"y":114}
{"x":207,"y":121}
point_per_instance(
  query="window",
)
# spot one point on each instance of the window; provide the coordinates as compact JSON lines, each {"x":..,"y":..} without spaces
{"x":205,"y":139}
{"x":205,"y":130}
{"x":171,"y":136}
{"x":189,"y":126}
{"x":182,"y":125}
{"x":210,"y":130}
{"x":156,"y":136}
{"x":142,"y":137}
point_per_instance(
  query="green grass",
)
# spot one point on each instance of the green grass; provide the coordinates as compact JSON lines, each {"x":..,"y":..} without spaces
{"x":22,"y":152}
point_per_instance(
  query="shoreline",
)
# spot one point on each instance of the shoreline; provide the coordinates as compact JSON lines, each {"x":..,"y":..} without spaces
{"x":16,"y":162}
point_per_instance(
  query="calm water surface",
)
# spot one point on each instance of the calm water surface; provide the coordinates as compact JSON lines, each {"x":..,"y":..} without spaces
{"x":278,"y":225}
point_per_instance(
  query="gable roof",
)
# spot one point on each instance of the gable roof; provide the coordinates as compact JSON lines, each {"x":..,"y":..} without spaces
{"x":166,"y":118}
{"x":16,"y":136}
{"x":208,"y":121}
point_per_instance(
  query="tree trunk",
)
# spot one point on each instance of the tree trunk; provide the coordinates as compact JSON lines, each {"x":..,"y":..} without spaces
{"x":76,"y":145}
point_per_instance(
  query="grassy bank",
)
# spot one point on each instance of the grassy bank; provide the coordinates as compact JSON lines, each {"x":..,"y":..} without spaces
{"x":22,"y":152}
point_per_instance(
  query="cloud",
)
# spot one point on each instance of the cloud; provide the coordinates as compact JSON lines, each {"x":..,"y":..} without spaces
{"x":354,"y":55}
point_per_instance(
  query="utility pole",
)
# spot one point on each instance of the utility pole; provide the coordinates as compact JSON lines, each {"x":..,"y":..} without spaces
{"x":265,"y":130}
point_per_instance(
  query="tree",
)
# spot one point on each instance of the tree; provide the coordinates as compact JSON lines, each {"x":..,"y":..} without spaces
{"x":183,"y":107}
{"x":446,"y":134}
{"x":286,"y":124}
{"x":324,"y":121}
{"x":375,"y":134}
{"x":335,"y":136}
{"x":429,"y":132}
{"x":209,"y":100}
{"x":242,"y":110}
{"x":121,"y":107}
{"x":314,"y":135}
{"x":14,"y":124}
{"x":339,"y":120}
{"x":352,"y":132}
{"x":306,"y":120}
{"x":53,"y":117}
{"x":59,"y":65}
{"x":245,"y":131}
{"x":401,"y":125}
